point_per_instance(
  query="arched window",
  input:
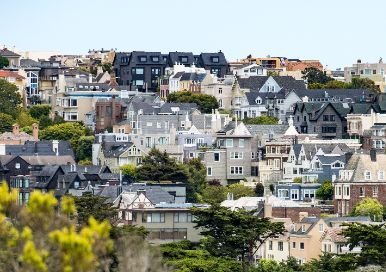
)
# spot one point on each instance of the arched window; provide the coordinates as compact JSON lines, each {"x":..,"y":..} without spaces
{"x":258,"y":100}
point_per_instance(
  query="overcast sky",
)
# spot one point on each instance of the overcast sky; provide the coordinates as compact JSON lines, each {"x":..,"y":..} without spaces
{"x":337,"y":32}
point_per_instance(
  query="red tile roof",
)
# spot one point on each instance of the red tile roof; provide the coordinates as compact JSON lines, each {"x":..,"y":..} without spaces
{"x":5,"y":74}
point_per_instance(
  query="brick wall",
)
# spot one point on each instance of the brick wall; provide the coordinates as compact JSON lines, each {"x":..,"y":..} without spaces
{"x":293,"y":212}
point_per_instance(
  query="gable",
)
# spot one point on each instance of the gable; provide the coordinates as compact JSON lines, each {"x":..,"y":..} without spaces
{"x":270,"y":86}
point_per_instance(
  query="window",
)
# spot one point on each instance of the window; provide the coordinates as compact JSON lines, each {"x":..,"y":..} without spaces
{"x":220,"y":103}
{"x":252,"y":155}
{"x":361,"y":191}
{"x":293,"y":244}
{"x":182,"y":217}
{"x":241,"y":142}
{"x":215,"y":59}
{"x":138,"y":83}
{"x":236,"y":170}
{"x":215,"y":71}
{"x":219,"y":90}
{"x":282,"y":193}
{"x":301,"y":245}
{"x":367,"y":175}
{"x":381,"y":175}
{"x":229,"y":143}
{"x":149,"y":124}
{"x":209,"y":171}
{"x":328,"y":129}
{"x":236,"y":155}
{"x":325,"y":117}
{"x":321,"y":227}
{"x":308,"y":193}
{"x":332,"y":117}
{"x":158,"y":124}
{"x":216,"y":156}
{"x":346,"y":190}
{"x":155,"y":217}
{"x":142,"y":59}
{"x":270,"y":245}
{"x":303,"y":228}
{"x":375,"y":191}
{"x":294,"y":194}
{"x":184,"y":59}
{"x":337,"y":165}
{"x":17,"y":165}
{"x":155,"y":59}
{"x":155,"y":71}
{"x":280,"y":246}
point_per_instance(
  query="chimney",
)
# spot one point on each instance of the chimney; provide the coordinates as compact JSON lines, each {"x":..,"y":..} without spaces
{"x":302,"y":215}
{"x":296,"y":140}
{"x":90,"y":78}
{"x":55,"y":147}
{"x":373,"y":154}
{"x":2,"y":149}
{"x":267,"y":208}
{"x":35,"y":131}
{"x":15,"y":129}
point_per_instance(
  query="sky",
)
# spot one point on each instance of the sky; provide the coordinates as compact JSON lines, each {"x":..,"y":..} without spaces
{"x":337,"y":32}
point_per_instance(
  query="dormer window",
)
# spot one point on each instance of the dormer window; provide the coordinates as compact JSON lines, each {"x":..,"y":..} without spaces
{"x":184,"y":59}
{"x":303,"y":228}
{"x":155,"y":59}
{"x":142,"y":59}
{"x":337,"y":165}
{"x":367,"y":175}
{"x":258,"y":100}
{"x":215,"y":60}
{"x":381,"y":175}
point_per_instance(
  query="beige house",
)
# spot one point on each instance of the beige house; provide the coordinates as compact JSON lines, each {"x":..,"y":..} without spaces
{"x":15,"y":78}
{"x":166,"y":222}
{"x":358,"y":123}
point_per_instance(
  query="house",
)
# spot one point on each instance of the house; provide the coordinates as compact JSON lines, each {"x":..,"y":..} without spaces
{"x":165,"y":222}
{"x":358,"y":123}
{"x":221,"y":89}
{"x":250,"y":70}
{"x":375,"y":137}
{"x":142,"y":70}
{"x":363,"y":176}
{"x":12,"y":57}
{"x":15,"y":78}
{"x":17,"y":137}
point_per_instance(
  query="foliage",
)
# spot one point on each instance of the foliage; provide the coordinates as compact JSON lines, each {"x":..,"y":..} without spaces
{"x":297,"y":180}
{"x":234,"y":234}
{"x":369,"y":207}
{"x":205,"y":102}
{"x":85,"y":162}
{"x":239,"y":190}
{"x":313,"y":75}
{"x":261,"y":120}
{"x":371,"y":238}
{"x":214,"y":194}
{"x":128,"y":230}
{"x":272,"y":188}
{"x":326,"y":191}
{"x":24,"y":119}
{"x":95,"y":206}
{"x":196,"y":179}
{"x":37,"y":111}
{"x":3,"y":62}
{"x":84,"y":148}
{"x":364,"y":83}
{"x":10,"y":98}
{"x":129,"y":170}
{"x":107,"y":67}
{"x":184,"y":256}
{"x":37,"y":238}
{"x":158,"y":166}
{"x":259,"y":189}
{"x":6,"y":122}
{"x":71,"y":132}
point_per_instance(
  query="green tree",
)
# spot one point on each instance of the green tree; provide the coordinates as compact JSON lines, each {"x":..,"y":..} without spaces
{"x":214,"y":194}
{"x":107,"y":67}
{"x":129,"y":170}
{"x":205,"y":102}
{"x":261,"y":120}
{"x":364,"y":83}
{"x":239,"y":190}
{"x":196,"y":179}
{"x":10,"y":98}
{"x":371,"y":238}
{"x":234,"y":234}
{"x":297,"y":180}
{"x":369,"y":207}
{"x":84,"y":148}
{"x":6,"y":122}
{"x":326,"y":191}
{"x":3,"y":62}
{"x":44,"y":122}
{"x":93,"y":206}
{"x":259,"y":189}
{"x":24,"y":119}
{"x":158,"y":166}
{"x":313,"y":75}
{"x":37,"y":111}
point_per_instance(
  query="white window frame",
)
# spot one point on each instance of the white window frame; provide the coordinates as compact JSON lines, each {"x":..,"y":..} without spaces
{"x":237,"y":170}
{"x":209,"y":171}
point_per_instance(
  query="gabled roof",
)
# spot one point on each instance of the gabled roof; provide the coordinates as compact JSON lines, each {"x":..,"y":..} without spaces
{"x":252,"y":83}
{"x":42,"y":148}
{"x":288,"y":83}
{"x":193,"y":77}
{"x":357,"y":95}
{"x":29,"y":63}
{"x":8,"y":53}
{"x":207,"y":59}
{"x":115,"y":149}
{"x":6,"y":73}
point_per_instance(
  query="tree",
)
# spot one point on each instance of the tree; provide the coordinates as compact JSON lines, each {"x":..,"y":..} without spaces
{"x":205,"y":102}
{"x":24,"y":119}
{"x":38,"y":111}
{"x":214,"y":194}
{"x":95,"y":206}
{"x":259,"y":189}
{"x":129,"y":170}
{"x":196,"y":179}
{"x":326,"y":191}
{"x":6,"y":122}
{"x":84,"y":148}
{"x":107,"y":67}
{"x":297,"y":180}
{"x":158,"y":166}
{"x":10,"y":98}
{"x":234,"y":234}
{"x":3,"y":62}
{"x":313,"y":75}
{"x":371,"y":238}
{"x":239,"y":190}
{"x":364,"y":83}
{"x":369,"y":207}
{"x":44,"y":122}
{"x":261,"y":120}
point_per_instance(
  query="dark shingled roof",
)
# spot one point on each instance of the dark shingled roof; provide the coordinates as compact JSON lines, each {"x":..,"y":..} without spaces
{"x":40,"y":147}
{"x":8,"y":53}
